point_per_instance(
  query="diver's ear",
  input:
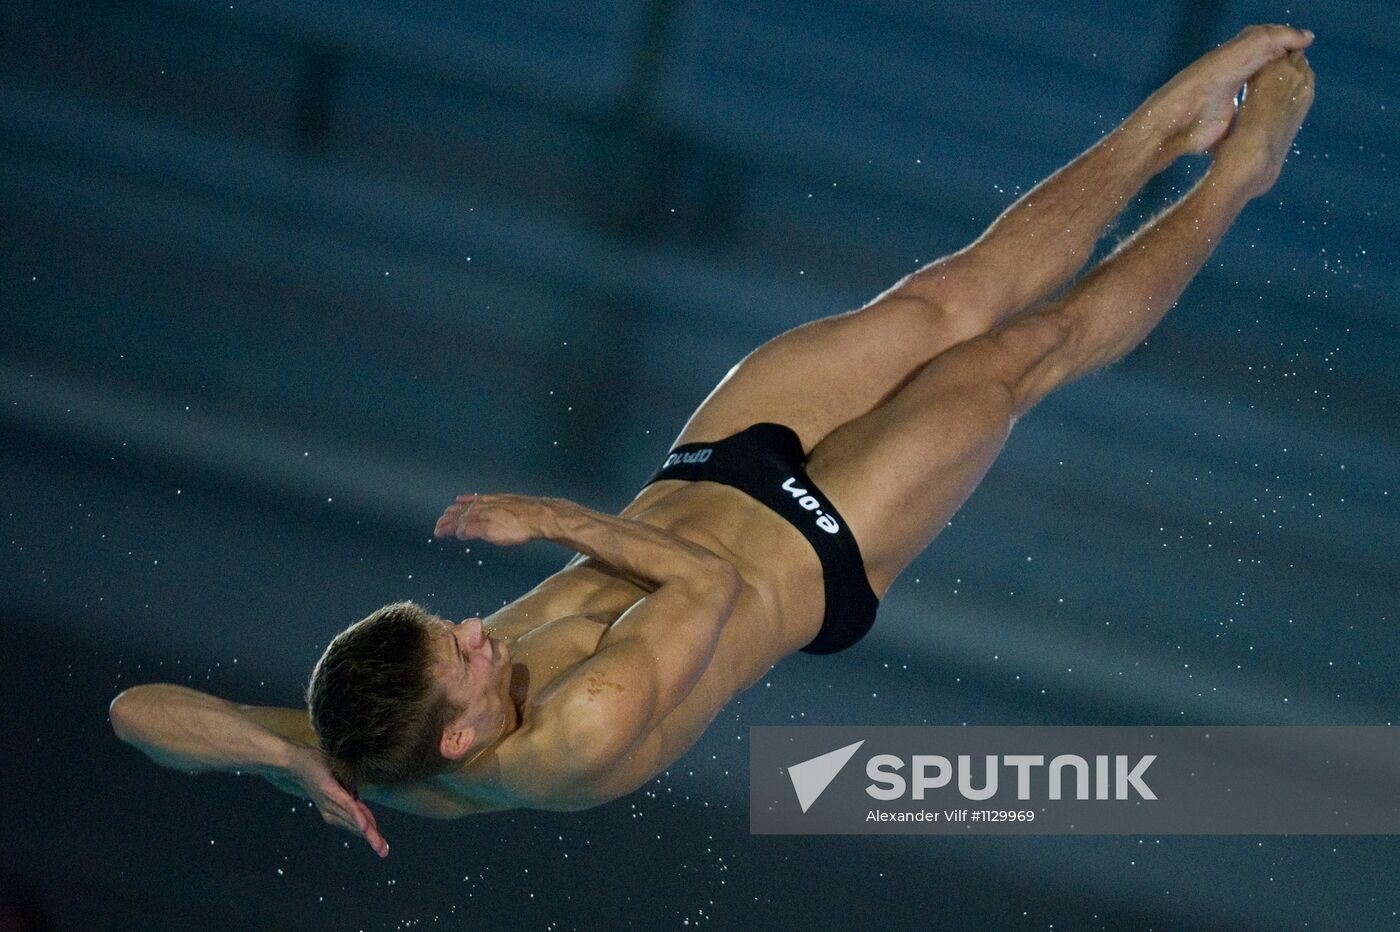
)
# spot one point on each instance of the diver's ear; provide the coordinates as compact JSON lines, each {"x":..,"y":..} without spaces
{"x":456,"y":742}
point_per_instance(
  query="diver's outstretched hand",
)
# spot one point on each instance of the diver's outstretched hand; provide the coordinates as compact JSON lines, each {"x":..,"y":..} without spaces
{"x":503,"y":519}
{"x":310,"y":778}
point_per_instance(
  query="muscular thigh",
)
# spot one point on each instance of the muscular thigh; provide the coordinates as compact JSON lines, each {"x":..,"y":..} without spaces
{"x":822,"y":374}
{"x":898,"y":473}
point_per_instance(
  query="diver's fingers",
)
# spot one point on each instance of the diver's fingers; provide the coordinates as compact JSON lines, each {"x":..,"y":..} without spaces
{"x":454,"y":515}
{"x":361,"y":825}
{"x":364,"y":819}
{"x":376,"y":840}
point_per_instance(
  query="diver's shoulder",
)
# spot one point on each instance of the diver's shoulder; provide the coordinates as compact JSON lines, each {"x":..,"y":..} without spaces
{"x":552,"y":761}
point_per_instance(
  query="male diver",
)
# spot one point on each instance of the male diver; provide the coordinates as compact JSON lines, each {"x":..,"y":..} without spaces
{"x":810,"y":477}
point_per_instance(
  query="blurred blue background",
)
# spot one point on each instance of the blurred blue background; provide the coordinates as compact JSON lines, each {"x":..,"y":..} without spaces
{"x":281,"y":278}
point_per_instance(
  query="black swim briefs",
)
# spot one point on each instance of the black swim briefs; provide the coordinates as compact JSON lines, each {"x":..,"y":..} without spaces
{"x":765,"y":462}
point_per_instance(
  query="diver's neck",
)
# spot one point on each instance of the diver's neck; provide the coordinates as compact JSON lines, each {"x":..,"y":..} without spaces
{"x":509,"y":725}
{"x":512,"y":720}
{"x":518,"y":691}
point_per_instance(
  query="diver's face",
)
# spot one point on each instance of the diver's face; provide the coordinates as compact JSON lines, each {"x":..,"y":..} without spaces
{"x":474,"y":672}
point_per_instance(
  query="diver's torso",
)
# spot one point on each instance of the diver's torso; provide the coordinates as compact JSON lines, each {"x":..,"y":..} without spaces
{"x":559,"y":623}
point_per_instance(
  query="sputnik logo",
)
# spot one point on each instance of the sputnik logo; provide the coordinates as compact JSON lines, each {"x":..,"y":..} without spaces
{"x":811,"y":777}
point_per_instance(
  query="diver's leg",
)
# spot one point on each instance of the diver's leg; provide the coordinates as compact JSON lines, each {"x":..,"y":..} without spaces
{"x":899,"y":473}
{"x":820,"y":375}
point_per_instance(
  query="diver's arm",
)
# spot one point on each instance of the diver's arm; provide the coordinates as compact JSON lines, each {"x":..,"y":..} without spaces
{"x":646,"y":555}
{"x":669,"y":636}
{"x":658,"y":648}
{"x":188,"y":730}
{"x":601,"y":723}
{"x":184,"y":729}
{"x":648,"y":660}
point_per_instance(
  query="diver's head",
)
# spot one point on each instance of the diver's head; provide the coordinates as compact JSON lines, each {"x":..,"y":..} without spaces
{"x":473,"y":672}
{"x":402,"y":695}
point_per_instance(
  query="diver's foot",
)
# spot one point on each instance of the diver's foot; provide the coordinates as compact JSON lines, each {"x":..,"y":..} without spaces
{"x":1276,"y":100}
{"x":1196,"y":107}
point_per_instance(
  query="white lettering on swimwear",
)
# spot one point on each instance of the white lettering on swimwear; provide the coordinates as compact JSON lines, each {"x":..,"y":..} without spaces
{"x":808,"y":501}
{"x":699,"y":456}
